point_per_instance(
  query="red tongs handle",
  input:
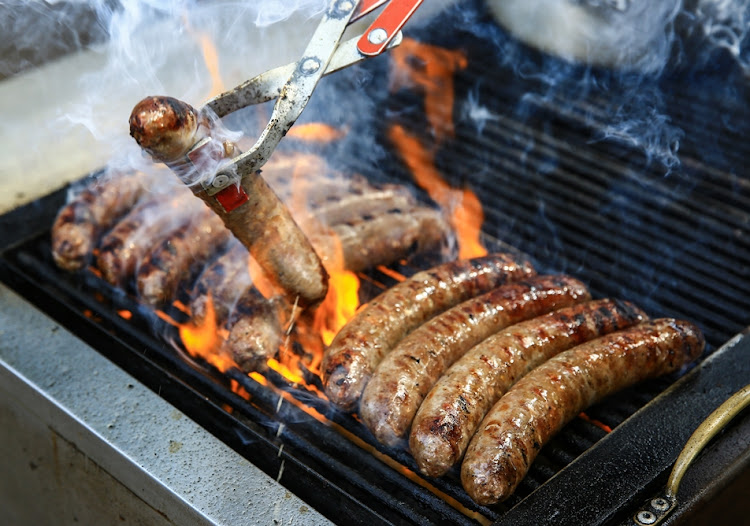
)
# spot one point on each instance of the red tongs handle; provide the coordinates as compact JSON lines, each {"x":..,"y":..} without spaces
{"x":386,"y":26}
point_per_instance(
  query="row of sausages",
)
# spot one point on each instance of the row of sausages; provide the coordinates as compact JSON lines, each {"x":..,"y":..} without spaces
{"x":483,"y":361}
{"x":150,"y":236}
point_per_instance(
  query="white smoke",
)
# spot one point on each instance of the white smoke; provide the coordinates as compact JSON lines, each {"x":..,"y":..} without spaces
{"x":724,"y":24}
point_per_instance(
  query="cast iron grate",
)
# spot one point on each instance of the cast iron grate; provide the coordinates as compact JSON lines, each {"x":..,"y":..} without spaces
{"x":551,"y":186}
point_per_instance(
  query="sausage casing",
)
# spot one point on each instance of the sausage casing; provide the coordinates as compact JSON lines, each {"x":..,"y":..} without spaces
{"x":131,"y":240}
{"x":543,"y":401}
{"x":406,"y":375}
{"x":171,"y":262}
{"x":456,"y":405}
{"x":359,"y":346}
{"x":79,"y":223}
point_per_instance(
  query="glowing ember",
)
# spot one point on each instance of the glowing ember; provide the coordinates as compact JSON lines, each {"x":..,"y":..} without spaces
{"x":125,"y":314}
{"x":463,"y":205}
{"x":431,"y":69}
{"x":597,"y":423}
{"x":238,"y":389}
{"x":316,"y":132}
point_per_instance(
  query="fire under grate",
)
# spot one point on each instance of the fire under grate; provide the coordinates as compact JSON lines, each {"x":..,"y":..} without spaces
{"x":551,"y":186}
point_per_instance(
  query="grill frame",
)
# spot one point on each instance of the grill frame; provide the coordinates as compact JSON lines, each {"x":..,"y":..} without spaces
{"x":551,"y":496}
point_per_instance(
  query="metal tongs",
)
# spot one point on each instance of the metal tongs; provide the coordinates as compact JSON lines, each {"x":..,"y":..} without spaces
{"x":293,"y":84}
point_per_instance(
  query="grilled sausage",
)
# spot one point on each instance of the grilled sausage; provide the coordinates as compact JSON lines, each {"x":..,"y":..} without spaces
{"x":454,"y":408}
{"x":172,"y":261}
{"x":359,"y":346}
{"x":551,"y":395}
{"x":256,"y":333}
{"x":254,"y":322}
{"x":132,"y":238}
{"x":226,"y":280}
{"x":406,"y":375}
{"x":356,"y":207}
{"x":167,"y":128}
{"x":389,"y":237}
{"x":88,"y":215}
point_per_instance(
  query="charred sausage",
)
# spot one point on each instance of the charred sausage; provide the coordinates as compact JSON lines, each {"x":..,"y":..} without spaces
{"x":256,"y":333}
{"x":226,"y":280}
{"x":171,"y":262}
{"x":359,"y":346}
{"x":406,"y":375}
{"x":360,"y":206}
{"x":454,"y":408}
{"x":543,"y":401}
{"x":168,"y":128}
{"x":130,"y":241}
{"x":389,"y":237}
{"x":254,"y":322}
{"x":81,"y":222}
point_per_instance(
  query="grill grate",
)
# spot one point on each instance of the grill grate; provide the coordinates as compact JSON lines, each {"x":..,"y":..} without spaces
{"x":602,"y":210}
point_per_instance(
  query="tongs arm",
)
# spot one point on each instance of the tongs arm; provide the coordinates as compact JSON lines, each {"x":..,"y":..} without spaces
{"x":323,"y":55}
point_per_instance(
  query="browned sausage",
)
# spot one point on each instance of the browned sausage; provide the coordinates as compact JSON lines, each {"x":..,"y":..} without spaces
{"x":384,"y":239}
{"x":368,"y":204}
{"x":165,"y":127}
{"x":406,"y":375}
{"x":88,"y":215}
{"x":256,"y":333}
{"x":359,"y":346}
{"x":168,"y":128}
{"x":454,"y":408}
{"x":226,"y":280}
{"x":175,"y":257}
{"x":130,"y":241}
{"x":254,"y":322}
{"x":543,"y":401}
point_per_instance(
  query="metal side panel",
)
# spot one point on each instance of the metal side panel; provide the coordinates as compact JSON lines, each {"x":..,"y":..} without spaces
{"x":114,"y":449}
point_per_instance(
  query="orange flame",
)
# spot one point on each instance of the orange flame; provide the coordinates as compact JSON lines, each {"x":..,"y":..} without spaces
{"x":340,"y":304}
{"x":202,"y":340}
{"x":430,"y":68}
{"x":210,"y":57}
{"x":463,"y":205}
{"x":259,"y":278}
{"x":238,"y":389}
{"x":316,"y":132}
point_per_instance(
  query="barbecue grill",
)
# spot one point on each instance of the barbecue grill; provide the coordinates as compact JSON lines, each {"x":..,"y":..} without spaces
{"x":660,"y":220}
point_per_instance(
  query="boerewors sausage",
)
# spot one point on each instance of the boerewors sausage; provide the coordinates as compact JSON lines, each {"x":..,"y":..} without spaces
{"x":454,"y":408}
{"x":168,"y":128}
{"x":359,"y":346}
{"x":89,"y":214}
{"x":543,"y":401}
{"x":406,"y":374}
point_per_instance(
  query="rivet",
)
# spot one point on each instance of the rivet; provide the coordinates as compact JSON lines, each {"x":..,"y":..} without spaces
{"x":310,"y":65}
{"x":345,"y":6}
{"x":660,"y":504}
{"x":645,"y":517}
{"x":220,"y":181}
{"x":377,"y":36}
